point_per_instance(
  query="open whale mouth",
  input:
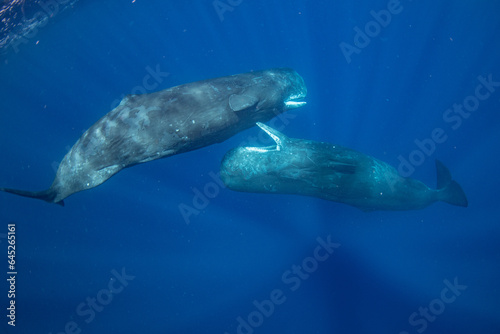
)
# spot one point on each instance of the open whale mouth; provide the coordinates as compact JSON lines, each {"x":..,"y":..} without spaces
{"x":274,"y":134}
{"x":293,"y":102}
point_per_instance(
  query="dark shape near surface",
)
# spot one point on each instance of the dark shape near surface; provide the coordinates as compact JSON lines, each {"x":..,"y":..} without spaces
{"x":332,"y":172}
{"x":172,"y":121}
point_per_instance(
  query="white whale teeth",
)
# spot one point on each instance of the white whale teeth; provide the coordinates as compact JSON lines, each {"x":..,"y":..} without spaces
{"x":294,"y":104}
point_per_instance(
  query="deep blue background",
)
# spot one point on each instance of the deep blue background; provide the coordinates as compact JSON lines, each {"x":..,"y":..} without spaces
{"x":199,"y":278}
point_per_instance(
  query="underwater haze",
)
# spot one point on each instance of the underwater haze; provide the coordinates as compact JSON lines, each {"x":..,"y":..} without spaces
{"x":164,"y":247}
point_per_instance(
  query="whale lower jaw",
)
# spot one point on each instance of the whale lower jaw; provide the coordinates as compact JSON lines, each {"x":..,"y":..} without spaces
{"x":277,"y":136}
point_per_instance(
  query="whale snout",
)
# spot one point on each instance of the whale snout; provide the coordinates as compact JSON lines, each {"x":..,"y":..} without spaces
{"x":298,"y":91}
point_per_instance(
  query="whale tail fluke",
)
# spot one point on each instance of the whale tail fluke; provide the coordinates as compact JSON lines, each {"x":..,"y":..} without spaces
{"x":46,"y":195}
{"x":449,"y":191}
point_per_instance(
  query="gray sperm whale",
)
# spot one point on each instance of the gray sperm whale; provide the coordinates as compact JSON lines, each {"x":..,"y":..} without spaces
{"x":172,"y":121}
{"x":331,"y":172}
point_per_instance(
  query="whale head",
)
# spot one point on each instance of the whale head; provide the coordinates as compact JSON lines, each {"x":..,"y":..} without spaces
{"x":262,"y":169}
{"x":290,"y":166}
{"x":265,"y":94}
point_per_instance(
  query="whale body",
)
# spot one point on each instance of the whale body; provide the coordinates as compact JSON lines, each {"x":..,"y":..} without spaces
{"x":332,"y":172}
{"x":172,"y":121}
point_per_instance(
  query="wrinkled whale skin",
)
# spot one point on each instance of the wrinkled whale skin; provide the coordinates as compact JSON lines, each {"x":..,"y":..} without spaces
{"x":172,"y":121}
{"x":331,"y":172}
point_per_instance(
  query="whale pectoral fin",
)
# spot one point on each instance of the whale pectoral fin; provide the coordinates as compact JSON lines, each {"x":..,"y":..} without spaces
{"x":240,"y":102}
{"x":339,"y":167}
{"x":343,"y":168}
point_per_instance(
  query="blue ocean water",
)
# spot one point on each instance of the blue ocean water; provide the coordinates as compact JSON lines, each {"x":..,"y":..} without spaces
{"x":122,"y":258}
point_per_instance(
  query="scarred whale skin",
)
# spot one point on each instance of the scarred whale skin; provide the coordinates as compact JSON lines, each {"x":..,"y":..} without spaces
{"x":172,"y":121}
{"x":331,"y":172}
